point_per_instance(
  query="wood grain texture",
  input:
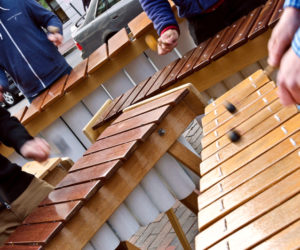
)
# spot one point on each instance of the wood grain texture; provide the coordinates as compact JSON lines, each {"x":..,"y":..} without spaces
{"x":55,"y":92}
{"x":118,"y":42}
{"x":97,"y":58}
{"x":77,"y":75}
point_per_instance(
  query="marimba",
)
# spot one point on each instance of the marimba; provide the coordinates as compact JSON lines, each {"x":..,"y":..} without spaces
{"x":250,"y":189}
{"x":121,"y":182}
{"x":114,"y":66}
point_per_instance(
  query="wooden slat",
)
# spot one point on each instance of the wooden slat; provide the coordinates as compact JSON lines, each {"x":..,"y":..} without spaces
{"x":276,"y":14}
{"x":188,"y":67}
{"x":120,"y":152}
{"x":205,"y":57}
{"x":253,"y":209}
{"x":285,"y":239}
{"x":223,"y":115}
{"x":101,"y":119}
{"x":34,"y":108}
{"x":258,"y":230}
{"x":34,"y":234}
{"x":98,"y":172}
{"x":170,"y":99}
{"x":78,"y":192}
{"x":137,"y":89}
{"x":143,"y":93}
{"x":268,"y":180}
{"x":255,"y":134}
{"x":59,"y":212}
{"x":21,"y":247}
{"x":140,"y":25}
{"x":137,"y":134}
{"x":237,"y":175}
{"x":239,"y":92}
{"x":249,"y":154}
{"x":77,"y":75}
{"x":159,"y":83}
{"x":215,"y":132}
{"x":257,"y":148}
{"x":154,"y":116}
{"x":117,"y":108}
{"x":116,"y":43}
{"x":242,"y":129}
{"x":242,"y":96}
{"x":97,"y":59}
{"x":222,"y":48}
{"x":261,"y":24}
{"x":55,"y":92}
{"x":241,"y":36}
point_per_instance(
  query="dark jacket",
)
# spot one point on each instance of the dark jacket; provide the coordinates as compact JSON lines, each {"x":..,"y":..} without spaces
{"x":26,"y":53}
{"x":13,"y":181}
{"x":160,"y":13}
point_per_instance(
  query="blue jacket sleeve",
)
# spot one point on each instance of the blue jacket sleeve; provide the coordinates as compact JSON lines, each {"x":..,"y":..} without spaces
{"x":3,"y":80}
{"x":292,"y":3}
{"x":160,"y":13}
{"x":42,"y":16}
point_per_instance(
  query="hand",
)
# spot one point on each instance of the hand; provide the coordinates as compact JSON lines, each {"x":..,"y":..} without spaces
{"x":167,"y":42}
{"x":37,"y":149}
{"x":55,"y":38}
{"x":288,"y":78}
{"x":1,"y":94}
{"x":282,"y":35}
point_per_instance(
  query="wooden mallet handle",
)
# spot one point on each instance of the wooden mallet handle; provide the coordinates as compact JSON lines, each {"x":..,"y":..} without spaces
{"x":53,"y":29}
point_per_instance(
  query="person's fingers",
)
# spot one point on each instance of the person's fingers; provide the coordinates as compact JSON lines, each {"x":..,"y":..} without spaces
{"x":42,"y":145}
{"x":285,"y":96}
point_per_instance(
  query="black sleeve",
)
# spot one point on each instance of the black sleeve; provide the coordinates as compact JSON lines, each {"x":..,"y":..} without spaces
{"x":12,"y":132}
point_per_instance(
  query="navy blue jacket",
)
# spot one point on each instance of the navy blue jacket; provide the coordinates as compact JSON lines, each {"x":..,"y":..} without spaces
{"x":26,"y":53}
{"x":159,"y":11}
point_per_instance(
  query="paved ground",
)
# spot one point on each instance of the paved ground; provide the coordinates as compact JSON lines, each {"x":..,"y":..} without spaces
{"x":160,"y":234}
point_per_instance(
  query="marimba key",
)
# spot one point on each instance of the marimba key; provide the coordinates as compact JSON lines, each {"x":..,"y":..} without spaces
{"x":243,"y":128}
{"x":216,"y":130}
{"x":287,"y":238}
{"x":237,"y":93}
{"x":263,"y":182}
{"x":286,"y":129}
{"x":265,"y":159}
{"x":276,"y":14}
{"x":250,"y":235}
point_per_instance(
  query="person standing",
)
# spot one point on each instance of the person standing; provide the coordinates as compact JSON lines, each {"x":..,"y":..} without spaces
{"x":28,"y":53}
{"x":205,"y":18}
{"x":20,"y":192}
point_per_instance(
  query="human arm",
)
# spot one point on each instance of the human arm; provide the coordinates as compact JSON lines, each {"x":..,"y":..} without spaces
{"x":287,"y":34}
{"x":45,"y":18}
{"x":13,"y":134}
{"x":161,"y":14}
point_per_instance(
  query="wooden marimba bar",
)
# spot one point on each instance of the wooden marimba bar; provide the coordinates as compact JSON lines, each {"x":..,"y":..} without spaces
{"x":250,"y":189}
{"x":127,"y":171}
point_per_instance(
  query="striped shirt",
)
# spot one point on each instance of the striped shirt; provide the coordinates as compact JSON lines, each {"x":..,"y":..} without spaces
{"x":296,"y":40}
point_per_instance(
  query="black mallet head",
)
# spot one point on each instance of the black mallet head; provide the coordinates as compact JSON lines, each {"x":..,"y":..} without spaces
{"x":234,"y":136}
{"x":230,"y":107}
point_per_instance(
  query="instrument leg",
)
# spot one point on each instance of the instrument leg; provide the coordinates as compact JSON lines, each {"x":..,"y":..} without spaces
{"x":178,"y":230}
{"x":191,"y":201}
